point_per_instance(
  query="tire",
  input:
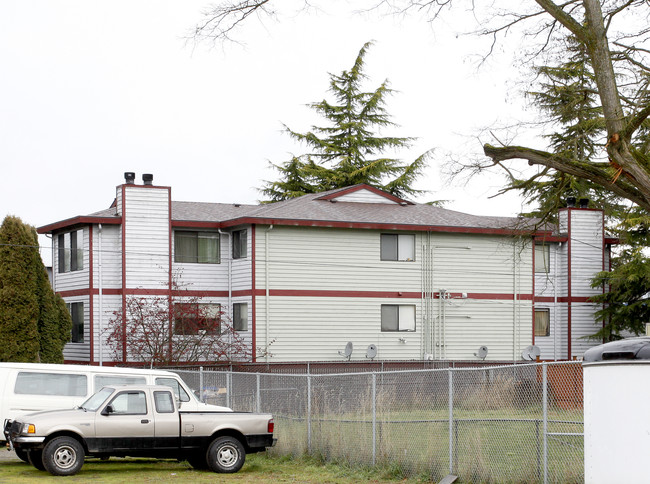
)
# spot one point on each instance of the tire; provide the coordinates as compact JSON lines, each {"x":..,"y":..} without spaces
{"x":63,"y":456}
{"x":225,"y":455}
{"x":22,"y":455}
{"x":35,"y":458}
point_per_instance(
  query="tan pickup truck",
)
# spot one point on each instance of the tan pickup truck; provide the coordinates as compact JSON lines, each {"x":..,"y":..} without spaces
{"x":142,"y":421}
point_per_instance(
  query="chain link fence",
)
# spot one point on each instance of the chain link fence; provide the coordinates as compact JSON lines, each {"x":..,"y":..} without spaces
{"x":518,"y":423}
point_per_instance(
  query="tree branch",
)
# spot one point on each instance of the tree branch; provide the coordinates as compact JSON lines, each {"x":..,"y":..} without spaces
{"x":572,"y":167}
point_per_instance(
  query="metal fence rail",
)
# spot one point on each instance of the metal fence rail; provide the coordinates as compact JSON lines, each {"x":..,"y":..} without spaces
{"x":518,"y":423}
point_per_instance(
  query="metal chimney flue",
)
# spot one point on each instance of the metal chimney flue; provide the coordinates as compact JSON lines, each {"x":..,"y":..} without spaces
{"x":147,"y":179}
{"x":571,"y":202}
{"x":129,"y":177}
{"x":584,"y":203}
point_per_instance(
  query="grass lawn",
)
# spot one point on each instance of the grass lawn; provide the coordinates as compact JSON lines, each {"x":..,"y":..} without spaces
{"x":259,"y":468}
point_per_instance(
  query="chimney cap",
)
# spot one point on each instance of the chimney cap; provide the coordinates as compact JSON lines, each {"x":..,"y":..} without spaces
{"x":147,"y":178}
{"x":584,"y":203}
{"x":571,"y":202}
{"x":129,"y":177}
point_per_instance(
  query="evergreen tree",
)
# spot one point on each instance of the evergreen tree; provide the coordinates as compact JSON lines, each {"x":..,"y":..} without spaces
{"x":349,"y":151}
{"x":34,"y":322}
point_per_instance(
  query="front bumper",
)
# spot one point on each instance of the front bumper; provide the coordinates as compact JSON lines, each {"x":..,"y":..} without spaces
{"x":16,"y":439}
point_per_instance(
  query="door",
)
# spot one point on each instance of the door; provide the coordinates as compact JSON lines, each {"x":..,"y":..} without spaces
{"x":125,"y":423}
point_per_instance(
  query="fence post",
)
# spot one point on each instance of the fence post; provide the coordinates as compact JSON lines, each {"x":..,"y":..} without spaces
{"x":309,"y":414}
{"x":374,"y":419}
{"x":451,"y":420}
{"x":258,"y":397}
{"x":545,"y":417}
{"x":201,"y":392}
{"x":228,"y":389}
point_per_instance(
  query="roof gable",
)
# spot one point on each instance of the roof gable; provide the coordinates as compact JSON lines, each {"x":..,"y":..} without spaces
{"x":363,"y":194}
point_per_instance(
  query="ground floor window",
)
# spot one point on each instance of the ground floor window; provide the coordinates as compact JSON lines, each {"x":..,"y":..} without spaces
{"x":240,"y":316}
{"x":192,"y":318}
{"x":542,"y":322}
{"x":76,"y":310}
{"x":396,"y":317}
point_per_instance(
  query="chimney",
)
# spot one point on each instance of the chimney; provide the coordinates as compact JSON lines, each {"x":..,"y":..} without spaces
{"x":571,"y":202}
{"x":147,"y":178}
{"x":129,"y":177}
{"x":584,"y":203}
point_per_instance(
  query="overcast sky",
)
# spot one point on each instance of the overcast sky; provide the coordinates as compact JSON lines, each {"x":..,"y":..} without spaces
{"x":91,"y":89}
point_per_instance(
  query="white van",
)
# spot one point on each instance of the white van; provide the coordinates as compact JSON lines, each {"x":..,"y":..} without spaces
{"x":31,"y":387}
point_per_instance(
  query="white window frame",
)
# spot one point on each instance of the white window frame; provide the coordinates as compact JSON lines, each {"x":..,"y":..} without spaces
{"x":397,"y":318}
{"x":542,"y":258}
{"x":240,"y":316}
{"x":240,"y":244}
{"x":404,"y":250}
{"x":70,"y":251}
{"x":198,"y":236}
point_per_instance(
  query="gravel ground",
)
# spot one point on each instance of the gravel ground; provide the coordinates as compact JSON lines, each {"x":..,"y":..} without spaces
{"x":7,"y":455}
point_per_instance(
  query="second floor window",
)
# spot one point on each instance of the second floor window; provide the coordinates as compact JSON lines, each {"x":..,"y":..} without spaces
{"x":399,"y":247}
{"x":71,"y":255}
{"x":542,"y":258}
{"x":239,"y":244}
{"x":196,"y":247}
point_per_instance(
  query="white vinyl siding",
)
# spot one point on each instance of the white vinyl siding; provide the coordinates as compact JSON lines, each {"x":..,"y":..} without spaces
{"x":146,"y":226}
{"x":364,"y":196}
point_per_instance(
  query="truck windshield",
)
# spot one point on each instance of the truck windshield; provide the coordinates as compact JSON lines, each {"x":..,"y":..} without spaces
{"x":96,"y":400}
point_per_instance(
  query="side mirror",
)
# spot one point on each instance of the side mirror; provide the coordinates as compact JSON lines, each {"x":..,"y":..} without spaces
{"x":108,"y":409}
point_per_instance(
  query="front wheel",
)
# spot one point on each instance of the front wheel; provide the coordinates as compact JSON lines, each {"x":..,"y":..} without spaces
{"x":22,"y":455}
{"x":35,"y":458}
{"x":226,"y":455}
{"x":63,"y":456}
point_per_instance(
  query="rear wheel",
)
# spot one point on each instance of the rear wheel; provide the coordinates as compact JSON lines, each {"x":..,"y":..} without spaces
{"x":35,"y":458}
{"x":63,"y":456}
{"x":198,"y":461}
{"x":226,"y":455}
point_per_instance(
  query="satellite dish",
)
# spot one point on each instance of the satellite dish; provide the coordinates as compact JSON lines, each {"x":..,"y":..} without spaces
{"x":347,"y":352}
{"x":371,"y":352}
{"x":482,"y":352}
{"x":531,"y":352}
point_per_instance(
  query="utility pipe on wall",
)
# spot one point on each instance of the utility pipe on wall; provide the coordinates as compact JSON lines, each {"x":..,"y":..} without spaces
{"x":268,"y":296}
{"x":101,"y":302}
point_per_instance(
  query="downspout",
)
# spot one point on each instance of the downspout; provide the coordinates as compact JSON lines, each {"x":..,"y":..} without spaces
{"x":267,"y":295}
{"x":514,"y":300}
{"x":101,"y":305}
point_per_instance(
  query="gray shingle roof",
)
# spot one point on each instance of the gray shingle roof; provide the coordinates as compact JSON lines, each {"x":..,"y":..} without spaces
{"x":309,"y":208}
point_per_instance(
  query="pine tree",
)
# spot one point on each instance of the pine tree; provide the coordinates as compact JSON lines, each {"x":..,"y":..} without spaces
{"x":34,"y":322}
{"x":350,"y":150}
